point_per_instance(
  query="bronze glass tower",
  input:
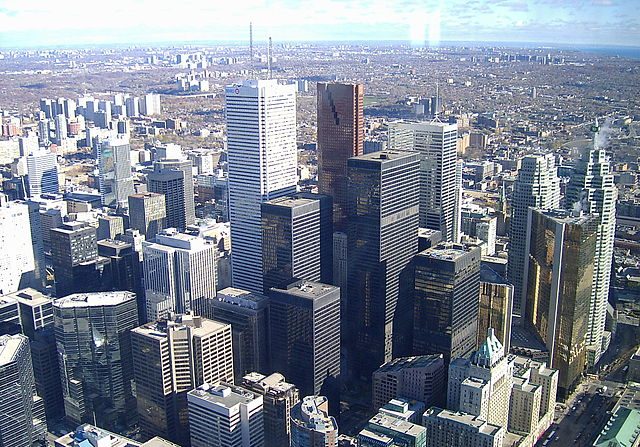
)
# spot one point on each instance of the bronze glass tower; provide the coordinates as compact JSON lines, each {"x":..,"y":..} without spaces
{"x":340,"y":136}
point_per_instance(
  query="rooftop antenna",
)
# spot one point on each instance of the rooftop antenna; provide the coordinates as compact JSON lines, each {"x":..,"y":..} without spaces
{"x":251,"y":48}
{"x":269,"y":58}
{"x":436,"y":118}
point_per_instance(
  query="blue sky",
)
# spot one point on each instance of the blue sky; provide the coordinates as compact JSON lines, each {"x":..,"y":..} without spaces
{"x":78,"y":22}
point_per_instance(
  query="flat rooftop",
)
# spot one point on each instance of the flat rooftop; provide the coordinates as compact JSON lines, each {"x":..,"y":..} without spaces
{"x":384,"y":156}
{"x":94,"y":299}
{"x":395,"y":424}
{"x":223,"y":395}
{"x":310,"y":290}
{"x":290,"y":202}
{"x":446,"y":251}
{"x":28,"y":296}
{"x":480,"y":425}
{"x":199,"y":326}
{"x":9,"y":345}
{"x":412,"y":362}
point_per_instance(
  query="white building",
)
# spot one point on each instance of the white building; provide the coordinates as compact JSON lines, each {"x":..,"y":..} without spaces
{"x":262,"y":154}
{"x":150,"y":104}
{"x":537,"y":186}
{"x":225,"y":416}
{"x":42,"y":173}
{"x":439,"y":187}
{"x":114,"y":167}
{"x":179,"y":274}
{"x":17,"y":263}
{"x":455,"y":429}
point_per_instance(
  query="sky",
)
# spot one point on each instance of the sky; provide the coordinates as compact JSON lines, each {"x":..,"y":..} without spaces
{"x":46,"y":23}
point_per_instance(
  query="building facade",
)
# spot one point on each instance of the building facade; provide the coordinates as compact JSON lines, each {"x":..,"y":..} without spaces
{"x":147,"y":213}
{"x":311,"y":425}
{"x":114,"y":167}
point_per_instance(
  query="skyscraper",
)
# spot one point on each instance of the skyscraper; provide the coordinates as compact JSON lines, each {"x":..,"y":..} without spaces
{"x":389,"y":430}
{"x":17,"y":263}
{"x":290,"y":241}
{"x":42,"y":173}
{"x":147,"y":213}
{"x":262,"y":166}
{"x":170,"y":358}
{"x":311,"y":425}
{"x":447,"y":283}
{"x":73,"y":247}
{"x":340,"y":116}
{"x":61,"y":128}
{"x":495,"y":308}
{"x":94,"y":348}
{"x":179,"y":274}
{"x":248,"y":314}
{"x":382,"y":240}
{"x":560,"y":267}
{"x":114,"y":166}
{"x":109,"y":227}
{"x":436,"y":142}
{"x":538,"y":186}
{"x":591,"y":189}
{"x":305,"y":333}
{"x":225,"y":416}
{"x":22,"y":417}
{"x":174,"y":179}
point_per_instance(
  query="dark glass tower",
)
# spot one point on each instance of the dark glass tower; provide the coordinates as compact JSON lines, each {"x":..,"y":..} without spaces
{"x":382,"y":241}
{"x":447,"y":286}
{"x":174,"y":179}
{"x":340,"y":115}
{"x":73,"y":250}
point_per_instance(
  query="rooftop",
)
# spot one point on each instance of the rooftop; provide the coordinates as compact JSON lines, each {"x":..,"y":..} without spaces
{"x":308,"y":289}
{"x":224,"y":395}
{"x":28,"y":296}
{"x":240,"y":297}
{"x":199,"y":326}
{"x":9,"y":345}
{"x":94,"y":299}
{"x":622,"y":429}
{"x":384,"y":156}
{"x":446,"y":251}
{"x":290,"y":202}
{"x":395,"y":424}
{"x":412,"y":362}
{"x":480,"y":425}
{"x":272,"y":384}
{"x":312,"y":412}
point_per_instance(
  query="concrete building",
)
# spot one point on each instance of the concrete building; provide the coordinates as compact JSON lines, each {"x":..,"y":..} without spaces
{"x":495,"y":307}
{"x":225,"y":416}
{"x":454,"y":429}
{"x":42,"y":173}
{"x":385,"y":430}
{"x":262,"y":166}
{"x":109,"y":227}
{"x":421,"y":378}
{"x":89,"y":435}
{"x":170,"y":358}
{"x":311,"y":425}
{"x":114,"y":167}
{"x":304,"y":318}
{"x":147,"y":213}
{"x":18,"y":263}
{"x":279,"y":397}
{"x":174,"y":179}
{"x":248,"y":315}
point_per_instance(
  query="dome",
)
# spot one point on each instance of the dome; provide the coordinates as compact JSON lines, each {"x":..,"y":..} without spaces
{"x":490,"y":352}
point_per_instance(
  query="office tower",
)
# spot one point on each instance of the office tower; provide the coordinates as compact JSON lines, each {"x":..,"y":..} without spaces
{"x":174,"y":179}
{"x":383,"y":429}
{"x":179,"y":274}
{"x":73,"y":247}
{"x":28,"y":144}
{"x":560,"y":267}
{"x":591,"y":189}
{"x":89,"y":435}
{"x":42,"y":173}
{"x":61,"y":128}
{"x":45,"y":106}
{"x":311,"y":424}
{"x":22,"y":418}
{"x":150,"y":104}
{"x":9,"y":316}
{"x":537,"y":186}
{"x":420,"y":378}
{"x":133,"y":107}
{"x":340,"y":116}
{"x":262,"y":166}
{"x":248,"y":314}
{"x":279,"y":397}
{"x":36,"y":310}
{"x":17,"y":263}
{"x":383,"y":224}
{"x":495,"y":307}
{"x":457,"y":216}
{"x":454,"y":429}
{"x":478,"y":223}
{"x":94,"y":348}
{"x":304,"y":317}
{"x":326,"y":234}
{"x":481,"y":384}
{"x":447,"y":283}
{"x":436,"y":143}
{"x":147,"y":213}
{"x":69,"y":108}
{"x":123,"y":271}
{"x":290,"y":241}
{"x":44,"y":132}
{"x":225,"y":416}
{"x":109,"y":227}
{"x":114,"y":166}
{"x":170,"y":358}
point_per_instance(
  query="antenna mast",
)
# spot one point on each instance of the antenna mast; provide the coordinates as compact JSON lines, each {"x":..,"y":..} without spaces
{"x":270,"y":58}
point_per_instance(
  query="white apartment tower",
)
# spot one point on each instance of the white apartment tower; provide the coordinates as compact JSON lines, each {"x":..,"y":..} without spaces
{"x":179,"y":274}
{"x":439,"y":189}
{"x":592,"y":191}
{"x":262,"y":154}
{"x":537,"y":186}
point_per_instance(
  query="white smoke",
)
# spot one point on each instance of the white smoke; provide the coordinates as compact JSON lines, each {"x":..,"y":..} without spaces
{"x":603,"y":135}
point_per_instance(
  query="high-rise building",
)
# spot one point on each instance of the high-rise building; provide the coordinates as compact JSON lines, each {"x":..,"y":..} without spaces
{"x":340,"y":116}
{"x":436,"y":142}
{"x":447,"y":283}
{"x":42,"y":173}
{"x":290,"y":241}
{"x":592,"y":190}
{"x":123,"y":270}
{"x":326,"y":231}
{"x":93,"y":336}
{"x":538,"y":186}
{"x":383,"y":429}
{"x":383,"y":225}
{"x":225,"y":416}
{"x":262,"y":166}
{"x":304,"y":318}
{"x":73,"y":247}
{"x":109,"y":227}
{"x":311,"y":425}
{"x":174,"y":179}
{"x":418,"y":378}
{"x":44,"y":132}
{"x":279,"y":397}
{"x":248,"y":314}
{"x":560,"y":267}
{"x":455,"y":429}
{"x":150,"y":104}
{"x":179,"y":274}
{"x":147,"y":213}
{"x":170,"y":358}
{"x":495,"y":307}
{"x":22,"y":417}
{"x":17,"y":263}
{"x":114,"y":167}
{"x":61,"y":128}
